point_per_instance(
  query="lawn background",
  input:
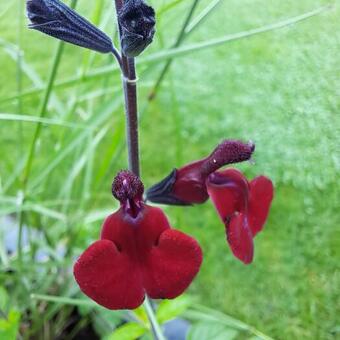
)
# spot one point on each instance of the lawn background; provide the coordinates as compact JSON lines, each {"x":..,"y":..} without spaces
{"x":279,"y":89}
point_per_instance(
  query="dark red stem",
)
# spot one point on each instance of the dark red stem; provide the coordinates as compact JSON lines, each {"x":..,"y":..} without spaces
{"x":131,"y":109}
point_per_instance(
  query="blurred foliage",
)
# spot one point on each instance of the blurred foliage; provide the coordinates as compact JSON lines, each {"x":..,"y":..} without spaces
{"x":280,"y":89}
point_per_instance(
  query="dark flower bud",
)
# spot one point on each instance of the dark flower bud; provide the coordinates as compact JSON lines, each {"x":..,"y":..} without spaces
{"x":126,"y":186}
{"x":187,"y":185}
{"x":137,"y":27}
{"x":54,"y":18}
{"x":128,"y":189}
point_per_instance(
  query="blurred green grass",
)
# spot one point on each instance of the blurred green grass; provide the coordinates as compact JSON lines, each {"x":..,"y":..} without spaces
{"x":280,"y":89}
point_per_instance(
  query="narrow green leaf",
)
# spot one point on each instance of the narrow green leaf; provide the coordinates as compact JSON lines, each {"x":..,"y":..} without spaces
{"x":170,"y":309}
{"x":45,"y":121}
{"x":181,"y":51}
{"x":203,"y":313}
{"x":129,"y":331}
{"x":3,"y":299}
{"x":17,"y":55}
{"x":201,"y":16}
{"x":64,"y":300}
{"x":97,"y":120}
{"x":5,"y":10}
{"x":168,"y":7}
{"x":140,"y":314}
{"x":27,"y":206}
{"x":80,"y":163}
{"x":211,"y":331}
{"x":9,"y":327}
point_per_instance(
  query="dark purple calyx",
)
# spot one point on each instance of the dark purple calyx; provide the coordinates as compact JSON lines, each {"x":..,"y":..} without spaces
{"x":137,"y":27}
{"x":228,"y":152}
{"x":128,"y":189}
{"x":163,"y":191}
{"x":54,"y":18}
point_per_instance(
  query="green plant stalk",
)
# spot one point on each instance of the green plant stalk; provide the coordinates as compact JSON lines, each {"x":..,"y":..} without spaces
{"x":19,"y":106}
{"x":19,"y":70}
{"x":31,"y":154}
{"x":153,"y":321}
{"x":179,"y":40}
{"x":42,"y":112}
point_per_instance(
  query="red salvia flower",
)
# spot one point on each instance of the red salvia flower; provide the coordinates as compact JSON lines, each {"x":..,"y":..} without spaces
{"x":138,"y":253}
{"x":242,"y":206}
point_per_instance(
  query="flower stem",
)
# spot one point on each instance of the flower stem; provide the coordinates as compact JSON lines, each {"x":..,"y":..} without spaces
{"x":131,"y":111}
{"x":130,"y":95}
{"x":130,"y":92}
{"x":156,"y":329}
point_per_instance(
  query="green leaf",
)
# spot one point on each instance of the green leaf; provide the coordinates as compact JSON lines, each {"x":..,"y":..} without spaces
{"x":105,"y":320}
{"x":184,"y":50}
{"x":201,"y":16}
{"x":3,"y":299}
{"x":205,"y":314}
{"x":147,"y":336}
{"x":141,"y":314}
{"x":34,"y":119}
{"x":170,"y":309}
{"x":129,"y":331}
{"x":168,"y":7}
{"x":211,"y":331}
{"x":9,"y":327}
{"x":65,"y":300}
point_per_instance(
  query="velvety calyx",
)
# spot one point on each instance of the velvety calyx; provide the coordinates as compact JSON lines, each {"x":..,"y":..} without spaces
{"x":127,"y":185}
{"x":128,"y":189}
{"x":54,"y":18}
{"x":137,"y":27}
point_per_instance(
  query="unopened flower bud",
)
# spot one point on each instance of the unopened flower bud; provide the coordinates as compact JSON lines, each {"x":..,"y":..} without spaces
{"x":128,"y":189}
{"x":54,"y":18}
{"x":137,"y":27}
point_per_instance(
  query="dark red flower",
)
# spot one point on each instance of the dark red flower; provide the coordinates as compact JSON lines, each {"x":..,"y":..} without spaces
{"x":138,"y":253}
{"x":186,"y":186}
{"x":242,"y":206}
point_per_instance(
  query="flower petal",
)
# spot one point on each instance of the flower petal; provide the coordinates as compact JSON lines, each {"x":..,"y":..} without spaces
{"x":261,"y":196}
{"x":109,"y":276}
{"x":190,"y":184}
{"x":135,"y":234}
{"x":171,"y":265}
{"x":240,"y":238}
{"x":167,"y":259}
{"x":228,"y":190}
